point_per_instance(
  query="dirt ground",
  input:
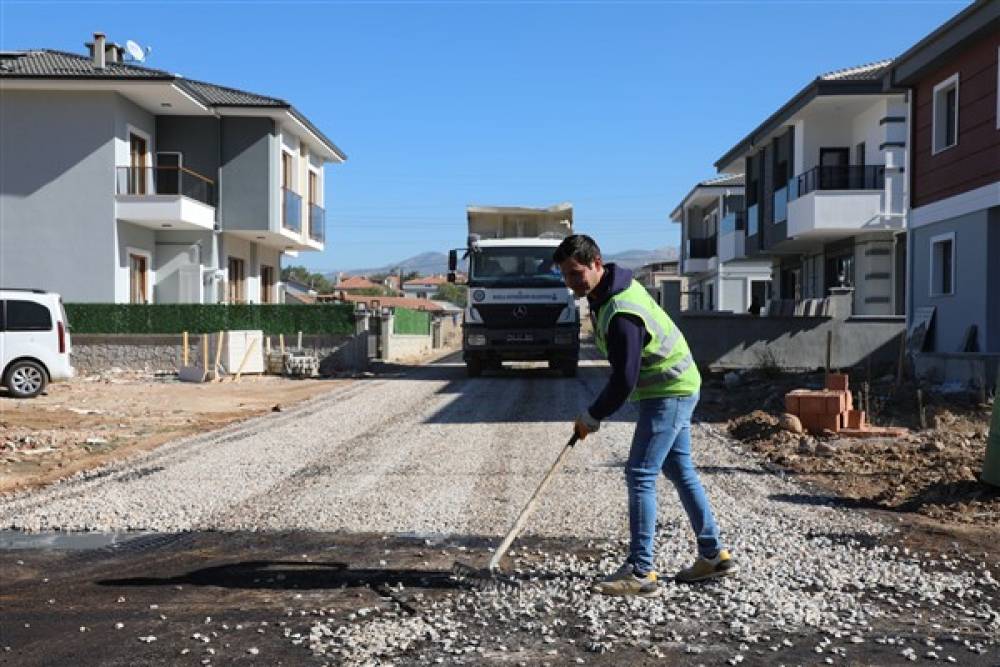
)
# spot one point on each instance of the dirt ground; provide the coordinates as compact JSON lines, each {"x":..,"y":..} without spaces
{"x":94,"y":419}
{"x":933,"y":471}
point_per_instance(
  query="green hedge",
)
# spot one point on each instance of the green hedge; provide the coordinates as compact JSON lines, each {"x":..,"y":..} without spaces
{"x":412,"y":322}
{"x":125,"y":318}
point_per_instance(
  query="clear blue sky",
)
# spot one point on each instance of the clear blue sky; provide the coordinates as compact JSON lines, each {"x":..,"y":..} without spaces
{"x":616,"y":107}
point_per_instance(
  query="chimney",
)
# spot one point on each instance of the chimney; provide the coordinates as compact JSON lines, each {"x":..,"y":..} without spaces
{"x":97,"y":51}
{"x":114,"y":53}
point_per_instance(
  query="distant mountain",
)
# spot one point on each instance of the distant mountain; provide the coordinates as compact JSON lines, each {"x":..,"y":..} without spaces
{"x":432,"y":263}
{"x":426,"y":264}
{"x":633,"y":259}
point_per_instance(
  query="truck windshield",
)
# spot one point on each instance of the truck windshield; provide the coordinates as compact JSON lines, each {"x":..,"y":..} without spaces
{"x":515,"y":267}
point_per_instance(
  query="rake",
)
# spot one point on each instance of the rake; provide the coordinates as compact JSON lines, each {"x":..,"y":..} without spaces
{"x":490,"y":576}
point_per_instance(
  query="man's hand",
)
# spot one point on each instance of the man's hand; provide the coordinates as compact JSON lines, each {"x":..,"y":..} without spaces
{"x":585,"y":425}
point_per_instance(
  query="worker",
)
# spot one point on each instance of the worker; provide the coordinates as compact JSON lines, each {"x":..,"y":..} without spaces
{"x":652,"y":365}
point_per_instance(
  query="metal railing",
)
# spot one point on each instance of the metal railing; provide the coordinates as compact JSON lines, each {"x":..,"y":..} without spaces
{"x":317,"y":223}
{"x":165,"y":181}
{"x":850,"y":177}
{"x":703,"y":248}
{"x":291,"y":210}
{"x":734,"y":221}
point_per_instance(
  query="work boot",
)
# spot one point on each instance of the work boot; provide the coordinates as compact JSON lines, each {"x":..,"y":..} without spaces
{"x":625,"y":582}
{"x":708,"y":568}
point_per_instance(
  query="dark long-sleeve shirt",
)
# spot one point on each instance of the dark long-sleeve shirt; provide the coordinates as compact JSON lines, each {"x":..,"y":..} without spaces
{"x":626,"y":338}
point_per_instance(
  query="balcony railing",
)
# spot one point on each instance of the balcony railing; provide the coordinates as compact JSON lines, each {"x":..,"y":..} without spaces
{"x":851,"y":177}
{"x":291,"y":210}
{"x":703,"y":248}
{"x":752,"y":220}
{"x":317,"y":223}
{"x":165,"y":181}
{"x":734,"y":221}
{"x":781,"y":204}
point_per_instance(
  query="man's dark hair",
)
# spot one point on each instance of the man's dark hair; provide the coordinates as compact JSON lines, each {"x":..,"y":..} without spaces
{"x":580,"y":247}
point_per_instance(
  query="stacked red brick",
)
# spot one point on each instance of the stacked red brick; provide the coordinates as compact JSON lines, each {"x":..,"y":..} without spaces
{"x":832,"y":410}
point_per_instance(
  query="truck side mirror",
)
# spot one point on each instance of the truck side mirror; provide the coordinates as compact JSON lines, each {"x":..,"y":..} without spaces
{"x":451,"y":276}
{"x":452,"y":261}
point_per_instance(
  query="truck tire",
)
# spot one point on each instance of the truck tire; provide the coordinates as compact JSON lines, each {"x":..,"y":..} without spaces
{"x":569,"y":367}
{"x":473,"y":367}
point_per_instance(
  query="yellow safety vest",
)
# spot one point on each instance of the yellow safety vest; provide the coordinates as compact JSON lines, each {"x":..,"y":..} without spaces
{"x":667,"y":367}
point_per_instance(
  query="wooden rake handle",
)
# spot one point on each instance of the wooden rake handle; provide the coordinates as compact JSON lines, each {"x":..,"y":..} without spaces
{"x":522,"y":518}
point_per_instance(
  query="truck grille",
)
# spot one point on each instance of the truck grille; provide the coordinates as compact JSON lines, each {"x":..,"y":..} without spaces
{"x":527,"y":316}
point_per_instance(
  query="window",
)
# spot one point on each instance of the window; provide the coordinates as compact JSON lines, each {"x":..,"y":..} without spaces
{"x":943,"y":265}
{"x":137,"y":164}
{"x":859,"y":153}
{"x":27,"y":316}
{"x":138,"y":278}
{"x":237,"y":280}
{"x":945,"y":114}
{"x":286,"y":170}
{"x":267,"y":284}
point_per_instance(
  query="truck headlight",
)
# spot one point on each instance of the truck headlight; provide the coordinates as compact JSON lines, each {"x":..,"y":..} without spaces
{"x":476,"y":339}
{"x":472,"y":315}
{"x":568,"y":314}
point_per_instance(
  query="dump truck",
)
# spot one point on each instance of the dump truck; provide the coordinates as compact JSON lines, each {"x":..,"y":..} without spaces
{"x":518,"y":308}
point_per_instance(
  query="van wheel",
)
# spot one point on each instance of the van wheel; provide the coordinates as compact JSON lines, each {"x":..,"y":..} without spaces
{"x":569,"y":368}
{"x":26,"y":379}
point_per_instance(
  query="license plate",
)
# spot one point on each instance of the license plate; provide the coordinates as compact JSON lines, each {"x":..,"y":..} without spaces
{"x":520,"y":338}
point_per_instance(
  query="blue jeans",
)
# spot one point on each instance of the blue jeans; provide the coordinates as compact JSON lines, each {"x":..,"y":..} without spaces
{"x":662,"y":442}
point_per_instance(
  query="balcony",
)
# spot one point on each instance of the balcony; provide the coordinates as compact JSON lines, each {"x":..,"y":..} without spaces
{"x":291,"y":211}
{"x":835,"y":202}
{"x":165,"y":198}
{"x":848,"y":177}
{"x":317,"y":224}
{"x":701,"y":255}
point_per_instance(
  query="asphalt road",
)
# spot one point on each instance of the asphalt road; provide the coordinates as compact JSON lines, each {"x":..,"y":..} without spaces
{"x":263,"y":542}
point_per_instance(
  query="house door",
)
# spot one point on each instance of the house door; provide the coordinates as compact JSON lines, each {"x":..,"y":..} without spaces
{"x":237,"y":280}
{"x":138,"y":278}
{"x":137,"y":162}
{"x":266,"y":284}
{"x":833,"y":163}
{"x":758,"y":295}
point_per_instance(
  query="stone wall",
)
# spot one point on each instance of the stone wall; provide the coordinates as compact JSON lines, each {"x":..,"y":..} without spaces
{"x":95,"y":353}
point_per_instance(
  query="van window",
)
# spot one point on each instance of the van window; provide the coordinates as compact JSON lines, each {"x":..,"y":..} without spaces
{"x":27,"y":316}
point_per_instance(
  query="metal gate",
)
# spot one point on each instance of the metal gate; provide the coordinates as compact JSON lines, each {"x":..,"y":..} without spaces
{"x":375,"y":335}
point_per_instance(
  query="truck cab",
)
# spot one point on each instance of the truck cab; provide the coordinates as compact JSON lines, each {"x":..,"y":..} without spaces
{"x":519,"y":309}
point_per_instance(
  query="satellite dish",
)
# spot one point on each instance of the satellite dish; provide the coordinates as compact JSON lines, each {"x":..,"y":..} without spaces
{"x":135,"y":51}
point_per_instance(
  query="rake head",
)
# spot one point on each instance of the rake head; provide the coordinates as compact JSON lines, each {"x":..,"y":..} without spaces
{"x":484,"y":579}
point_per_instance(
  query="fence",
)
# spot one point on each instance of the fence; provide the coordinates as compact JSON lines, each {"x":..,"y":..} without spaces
{"x":412,"y":322}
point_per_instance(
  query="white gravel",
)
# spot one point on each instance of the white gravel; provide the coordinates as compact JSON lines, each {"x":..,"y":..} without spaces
{"x":436,"y":453}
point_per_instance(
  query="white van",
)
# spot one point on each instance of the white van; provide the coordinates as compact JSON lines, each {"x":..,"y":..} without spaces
{"x":34,"y":341}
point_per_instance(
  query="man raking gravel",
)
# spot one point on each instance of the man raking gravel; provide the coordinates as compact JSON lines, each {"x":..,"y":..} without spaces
{"x":651,"y":364}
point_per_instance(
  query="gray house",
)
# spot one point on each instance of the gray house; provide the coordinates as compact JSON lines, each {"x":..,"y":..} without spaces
{"x":121,"y":183}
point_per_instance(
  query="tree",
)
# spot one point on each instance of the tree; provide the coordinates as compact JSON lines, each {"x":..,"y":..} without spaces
{"x":456,"y":294}
{"x":316,"y":281}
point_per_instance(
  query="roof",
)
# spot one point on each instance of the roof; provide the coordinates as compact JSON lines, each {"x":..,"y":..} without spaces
{"x":357,"y":282}
{"x":49,"y":63}
{"x":59,"y":65}
{"x":979,"y":18}
{"x":383,"y":301}
{"x":860,"y":80}
{"x":525,"y":242}
{"x":870,"y":72}
{"x":723,"y":181}
{"x":429,"y":280}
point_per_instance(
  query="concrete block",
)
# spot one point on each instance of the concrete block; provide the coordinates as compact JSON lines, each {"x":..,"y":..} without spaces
{"x":817,"y":423}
